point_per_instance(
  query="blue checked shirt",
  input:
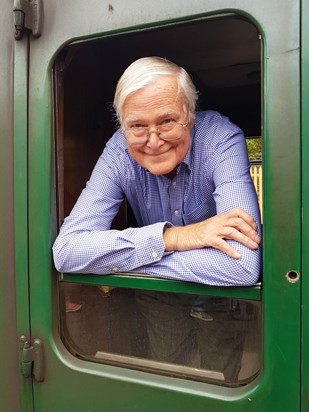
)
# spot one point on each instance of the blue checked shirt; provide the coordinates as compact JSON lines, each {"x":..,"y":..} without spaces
{"x":213,"y":178}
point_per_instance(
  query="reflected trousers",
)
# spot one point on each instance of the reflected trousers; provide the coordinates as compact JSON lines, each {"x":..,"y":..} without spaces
{"x":175,"y":337}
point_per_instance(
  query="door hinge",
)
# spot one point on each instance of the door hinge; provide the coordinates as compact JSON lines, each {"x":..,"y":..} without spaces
{"x":32,"y":358}
{"x":27,"y":15}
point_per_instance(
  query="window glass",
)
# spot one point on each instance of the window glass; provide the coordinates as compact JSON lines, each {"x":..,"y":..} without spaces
{"x":197,"y":337}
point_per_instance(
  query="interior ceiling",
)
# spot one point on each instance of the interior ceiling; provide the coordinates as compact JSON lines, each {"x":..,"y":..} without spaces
{"x":219,"y":51}
{"x":222,"y":52}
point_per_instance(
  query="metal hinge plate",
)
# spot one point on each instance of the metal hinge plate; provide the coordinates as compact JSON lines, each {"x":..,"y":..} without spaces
{"x":27,"y":15}
{"x":32,"y":358}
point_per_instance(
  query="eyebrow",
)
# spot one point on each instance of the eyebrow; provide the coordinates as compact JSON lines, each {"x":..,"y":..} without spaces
{"x":163,"y":116}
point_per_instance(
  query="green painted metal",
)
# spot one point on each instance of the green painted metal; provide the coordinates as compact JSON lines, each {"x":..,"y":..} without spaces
{"x":147,"y":283}
{"x":21,"y":207}
{"x":9,"y":371}
{"x":79,"y":385}
{"x":282,"y":221}
{"x":305,"y":205}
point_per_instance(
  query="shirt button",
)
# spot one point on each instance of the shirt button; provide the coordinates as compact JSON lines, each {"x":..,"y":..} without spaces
{"x":176,"y":212}
{"x":174,"y":185}
{"x":154,"y":254}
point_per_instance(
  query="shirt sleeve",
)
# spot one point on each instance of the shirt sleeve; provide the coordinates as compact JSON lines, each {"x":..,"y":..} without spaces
{"x":86,"y":243}
{"x":229,"y":170}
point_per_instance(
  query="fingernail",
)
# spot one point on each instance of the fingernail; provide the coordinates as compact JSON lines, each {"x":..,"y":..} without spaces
{"x":254,"y":245}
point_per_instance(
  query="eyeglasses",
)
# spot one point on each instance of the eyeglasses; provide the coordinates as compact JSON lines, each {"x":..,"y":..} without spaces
{"x":139,"y":135}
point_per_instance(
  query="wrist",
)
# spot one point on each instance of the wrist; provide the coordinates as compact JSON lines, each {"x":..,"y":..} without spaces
{"x":170,"y":237}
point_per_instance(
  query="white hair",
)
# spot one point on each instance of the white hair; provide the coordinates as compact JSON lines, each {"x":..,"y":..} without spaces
{"x":144,"y":71}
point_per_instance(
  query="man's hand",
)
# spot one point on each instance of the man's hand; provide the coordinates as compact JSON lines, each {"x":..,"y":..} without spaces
{"x":235,"y":225}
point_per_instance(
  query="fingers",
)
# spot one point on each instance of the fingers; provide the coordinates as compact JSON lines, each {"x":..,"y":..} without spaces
{"x":240,"y":213}
{"x":246,"y":227}
{"x":242,"y":232}
{"x":235,"y":225}
{"x":234,"y":234}
{"x":222,"y":245}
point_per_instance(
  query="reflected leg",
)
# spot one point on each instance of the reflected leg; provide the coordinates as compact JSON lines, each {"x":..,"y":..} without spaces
{"x":221,"y":341}
{"x":169,"y":325}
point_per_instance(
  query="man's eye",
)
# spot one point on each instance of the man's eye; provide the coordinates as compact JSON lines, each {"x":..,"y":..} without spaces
{"x":137,"y":126}
{"x":168,"y":121}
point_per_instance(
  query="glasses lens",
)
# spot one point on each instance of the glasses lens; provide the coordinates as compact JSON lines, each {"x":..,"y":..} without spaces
{"x":170,"y":131}
{"x":166,"y":131}
{"x":166,"y":127}
{"x":138,"y":131}
{"x":137,"y":137}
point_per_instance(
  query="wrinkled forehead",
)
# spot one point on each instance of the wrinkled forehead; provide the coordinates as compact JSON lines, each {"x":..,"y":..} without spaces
{"x":159,"y":97}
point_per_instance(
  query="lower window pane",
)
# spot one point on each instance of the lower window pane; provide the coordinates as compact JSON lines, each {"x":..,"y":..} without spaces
{"x":188,"y":336}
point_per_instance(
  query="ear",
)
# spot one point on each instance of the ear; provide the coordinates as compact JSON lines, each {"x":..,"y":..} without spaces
{"x":191,"y":123}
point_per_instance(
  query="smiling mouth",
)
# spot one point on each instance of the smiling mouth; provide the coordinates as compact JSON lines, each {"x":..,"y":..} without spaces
{"x":157,"y":154}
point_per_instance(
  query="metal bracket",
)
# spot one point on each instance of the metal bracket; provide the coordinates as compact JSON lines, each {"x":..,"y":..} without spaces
{"x":32,"y":359}
{"x":27,"y":15}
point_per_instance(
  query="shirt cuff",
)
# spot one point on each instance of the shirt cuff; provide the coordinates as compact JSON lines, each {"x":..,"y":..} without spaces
{"x":149,"y":243}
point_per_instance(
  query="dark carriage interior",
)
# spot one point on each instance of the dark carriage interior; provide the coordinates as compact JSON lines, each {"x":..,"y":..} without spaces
{"x":222,"y":54}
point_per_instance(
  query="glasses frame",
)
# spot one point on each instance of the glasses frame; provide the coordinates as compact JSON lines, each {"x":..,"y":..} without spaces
{"x":149,"y":130}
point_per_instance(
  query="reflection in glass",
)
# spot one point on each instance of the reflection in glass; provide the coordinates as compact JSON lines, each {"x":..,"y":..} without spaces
{"x":195,"y":337}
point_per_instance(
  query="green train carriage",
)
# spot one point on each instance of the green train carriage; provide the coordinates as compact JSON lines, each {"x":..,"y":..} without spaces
{"x":249,"y":61}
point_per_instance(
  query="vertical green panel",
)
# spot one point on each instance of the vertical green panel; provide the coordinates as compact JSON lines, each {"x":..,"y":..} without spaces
{"x":282,"y":219}
{"x":305,"y":204}
{"x":21,"y":205}
{"x":9,"y":370}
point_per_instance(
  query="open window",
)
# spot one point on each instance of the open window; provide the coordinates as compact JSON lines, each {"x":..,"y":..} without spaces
{"x":223,"y":56}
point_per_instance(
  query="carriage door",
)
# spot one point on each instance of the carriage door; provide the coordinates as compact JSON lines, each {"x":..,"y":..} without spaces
{"x":88,"y":346}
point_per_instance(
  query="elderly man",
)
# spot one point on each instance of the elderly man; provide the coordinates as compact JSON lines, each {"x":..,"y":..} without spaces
{"x":186,"y":177}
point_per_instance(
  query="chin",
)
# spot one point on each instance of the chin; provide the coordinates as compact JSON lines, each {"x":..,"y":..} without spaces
{"x":160,"y":170}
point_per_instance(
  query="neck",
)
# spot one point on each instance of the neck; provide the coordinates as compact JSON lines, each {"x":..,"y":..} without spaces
{"x":171,"y":174}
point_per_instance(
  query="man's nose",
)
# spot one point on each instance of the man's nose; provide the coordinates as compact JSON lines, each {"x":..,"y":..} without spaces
{"x":154,"y":139}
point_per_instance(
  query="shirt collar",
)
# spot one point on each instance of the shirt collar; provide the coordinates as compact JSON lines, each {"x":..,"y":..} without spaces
{"x":188,"y":157}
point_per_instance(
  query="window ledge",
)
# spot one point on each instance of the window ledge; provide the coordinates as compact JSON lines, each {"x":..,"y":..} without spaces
{"x":136,"y":281}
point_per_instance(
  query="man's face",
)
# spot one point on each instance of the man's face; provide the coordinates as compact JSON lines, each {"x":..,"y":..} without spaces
{"x":157,"y":104}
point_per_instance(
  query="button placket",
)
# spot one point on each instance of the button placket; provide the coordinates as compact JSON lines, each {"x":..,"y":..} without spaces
{"x":175,"y":194}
